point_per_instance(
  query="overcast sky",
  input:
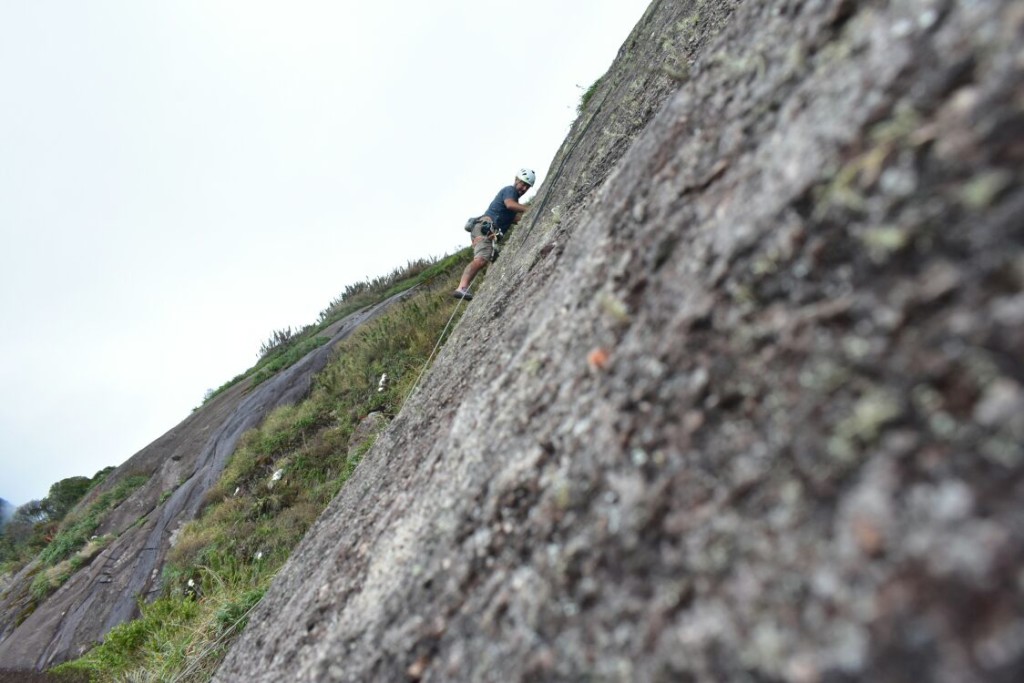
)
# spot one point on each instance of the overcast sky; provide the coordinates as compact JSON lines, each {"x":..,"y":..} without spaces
{"x":179,"y":179}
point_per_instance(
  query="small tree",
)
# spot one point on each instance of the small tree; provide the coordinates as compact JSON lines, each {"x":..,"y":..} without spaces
{"x":32,"y":512}
{"x":64,"y":494}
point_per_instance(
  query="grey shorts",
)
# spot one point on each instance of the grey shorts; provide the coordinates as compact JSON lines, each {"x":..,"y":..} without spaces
{"x":483,"y":246}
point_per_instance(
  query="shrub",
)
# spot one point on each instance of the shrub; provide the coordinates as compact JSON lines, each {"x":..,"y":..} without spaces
{"x":40,"y":587}
{"x":587,"y":95}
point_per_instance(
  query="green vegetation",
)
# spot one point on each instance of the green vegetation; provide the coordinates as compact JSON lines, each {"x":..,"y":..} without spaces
{"x":76,"y":530}
{"x":158,"y":629}
{"x":62,"y":540}
{"x":280,"y":478}
{"x":285,"y":347}
{"x":35,"y":524}
{"x":73,"y":545}
{"x":588,"y":95}
{"x":286,"y":356}
{"x":50,"y":579}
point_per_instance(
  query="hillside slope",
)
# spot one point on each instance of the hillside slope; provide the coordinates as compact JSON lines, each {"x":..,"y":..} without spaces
{"x":178,"y":470}
{"x":741,"y":401}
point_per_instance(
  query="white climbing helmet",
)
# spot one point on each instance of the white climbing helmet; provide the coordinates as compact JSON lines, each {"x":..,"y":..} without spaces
{"x":527,"y":176}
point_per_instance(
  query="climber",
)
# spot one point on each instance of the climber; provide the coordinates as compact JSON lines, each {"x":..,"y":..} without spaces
{"x":487,"y":229}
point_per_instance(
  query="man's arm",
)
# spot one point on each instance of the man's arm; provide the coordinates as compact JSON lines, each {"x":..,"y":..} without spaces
{"x":513,"y":205}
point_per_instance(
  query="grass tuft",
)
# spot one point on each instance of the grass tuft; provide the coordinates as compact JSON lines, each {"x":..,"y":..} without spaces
{"x":587,"y":96}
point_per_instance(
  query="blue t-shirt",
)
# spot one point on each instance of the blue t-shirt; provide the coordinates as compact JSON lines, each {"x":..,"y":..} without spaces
{"x":502,"y":216}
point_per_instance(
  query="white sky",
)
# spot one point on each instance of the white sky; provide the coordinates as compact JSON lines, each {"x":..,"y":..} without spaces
{"x":180,"y":179}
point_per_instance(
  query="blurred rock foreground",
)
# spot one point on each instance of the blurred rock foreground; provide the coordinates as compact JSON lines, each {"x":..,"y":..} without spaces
{"x":742,"y":400}
{"x":802,"y":457}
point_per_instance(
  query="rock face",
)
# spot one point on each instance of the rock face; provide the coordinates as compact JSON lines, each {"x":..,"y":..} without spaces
{"x":741,"y":401}
{"x":182,"y":465}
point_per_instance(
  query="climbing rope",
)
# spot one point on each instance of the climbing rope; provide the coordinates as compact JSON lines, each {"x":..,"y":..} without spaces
{"x":434,"y":350}
{"x":198,"y":660}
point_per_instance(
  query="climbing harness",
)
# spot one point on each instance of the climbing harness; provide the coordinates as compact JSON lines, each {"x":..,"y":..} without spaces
{"x":487,"y":231}
{"x":495,"y":237}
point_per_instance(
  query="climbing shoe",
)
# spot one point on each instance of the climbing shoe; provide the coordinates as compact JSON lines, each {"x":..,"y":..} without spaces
{"x":462,"y":294}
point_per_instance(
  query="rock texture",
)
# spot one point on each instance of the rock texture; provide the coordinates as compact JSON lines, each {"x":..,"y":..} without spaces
{"x":741,"y":401}
{"x":181,"y":465}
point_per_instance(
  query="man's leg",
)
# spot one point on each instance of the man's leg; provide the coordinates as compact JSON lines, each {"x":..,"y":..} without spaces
{"x":474,"y":267}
